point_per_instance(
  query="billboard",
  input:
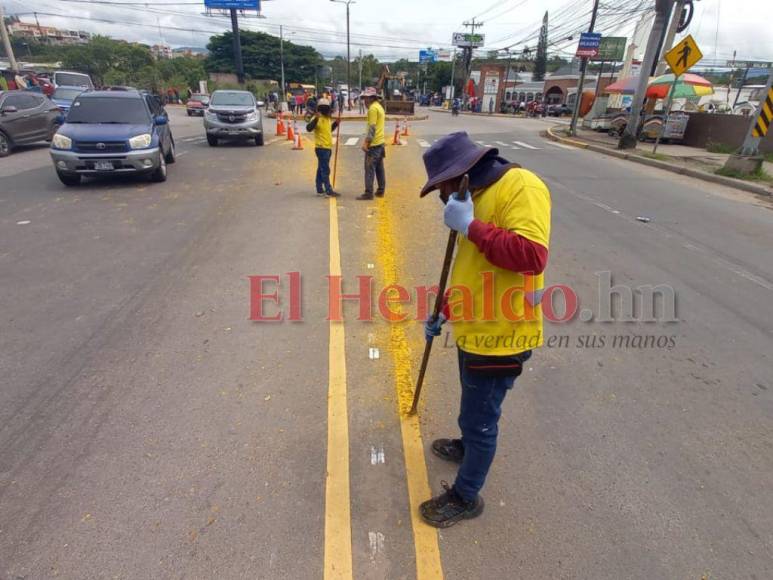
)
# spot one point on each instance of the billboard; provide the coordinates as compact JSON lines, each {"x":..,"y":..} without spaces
{"x":427,"y":55}
{"x":236,"y":4}
{"x":444,"y":55}
{"x":612,"y":49}
{"x":589,"y":44}
{"x":468,"y":40}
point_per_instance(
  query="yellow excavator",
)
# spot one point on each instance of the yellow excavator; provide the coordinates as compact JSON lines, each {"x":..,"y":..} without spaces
{"x":392,"y":88}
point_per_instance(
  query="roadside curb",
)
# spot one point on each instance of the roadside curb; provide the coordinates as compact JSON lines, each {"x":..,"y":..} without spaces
{"x":689,"y":172}
{"x":502,"y":115}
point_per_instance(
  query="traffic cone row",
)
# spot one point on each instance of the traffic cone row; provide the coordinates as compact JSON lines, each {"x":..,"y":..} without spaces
{"x":298,"y":143}
{"x":280,"y":126}
{"x":405,"y":126}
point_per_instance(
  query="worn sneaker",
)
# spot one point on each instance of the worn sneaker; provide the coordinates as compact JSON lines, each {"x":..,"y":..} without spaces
{"x":379,"y":194}
{"x":332,"y":193}
{"x":449,"y":508}
{"x":365,"y":197}
{"x":449,"y":449}
{"x":320,"y":194}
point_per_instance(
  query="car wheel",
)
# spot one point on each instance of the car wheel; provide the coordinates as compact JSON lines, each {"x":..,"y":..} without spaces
{"x":170,"y":156}
{"x":51,"y":132}
{"x":159,"y":175}
{"x":5,"y":145}
{"x":69,"y":179}
{"x":259,"y":140}
{"x":212,"y":140}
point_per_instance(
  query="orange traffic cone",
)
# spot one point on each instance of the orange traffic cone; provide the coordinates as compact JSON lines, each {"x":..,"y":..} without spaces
{"x":405,"y":127}
{"x":298,"y":144}
{"x":290,"y":132}
{"x":396,"y":138}
{"x":280,"y":126}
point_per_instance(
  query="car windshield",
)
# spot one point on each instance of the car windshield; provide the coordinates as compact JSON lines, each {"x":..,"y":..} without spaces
{"x":232,"y":99}
{"x":72,"y":79}
{"x":66,"y":93}
{"x":200,"y":98}
{"x":108,"y":110}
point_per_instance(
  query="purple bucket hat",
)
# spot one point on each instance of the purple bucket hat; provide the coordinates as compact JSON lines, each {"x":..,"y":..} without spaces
{"x":452,"y":156}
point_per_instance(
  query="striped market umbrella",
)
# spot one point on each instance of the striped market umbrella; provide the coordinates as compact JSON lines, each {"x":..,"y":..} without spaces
{"x":688,"y":85}
{"x":626,"y":86}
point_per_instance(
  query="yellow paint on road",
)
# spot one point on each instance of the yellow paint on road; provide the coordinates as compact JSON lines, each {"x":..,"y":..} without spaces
{"x":338,"y":521}
{"x":428,"y":564}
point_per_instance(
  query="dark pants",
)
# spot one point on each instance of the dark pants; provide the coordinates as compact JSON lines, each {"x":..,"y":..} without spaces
{"x":485,"y":382}
{"x":374,"y":166}
{"x":323,"y":170}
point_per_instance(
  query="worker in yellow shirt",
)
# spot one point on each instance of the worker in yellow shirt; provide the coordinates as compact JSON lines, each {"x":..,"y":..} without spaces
{"x":493,"y":303}
{"x":373,"y":146}
{"x":322,"y":124}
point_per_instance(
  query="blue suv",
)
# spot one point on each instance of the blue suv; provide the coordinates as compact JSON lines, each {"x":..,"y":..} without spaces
{"x":113,"y":132}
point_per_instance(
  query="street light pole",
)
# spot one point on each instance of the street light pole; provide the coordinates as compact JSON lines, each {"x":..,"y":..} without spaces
{"x":348,"y":55}
{"x":282,"y":64}
{"x":581,"y":82}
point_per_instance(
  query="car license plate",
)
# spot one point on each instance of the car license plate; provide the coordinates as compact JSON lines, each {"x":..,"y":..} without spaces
{"x":103,"y":165}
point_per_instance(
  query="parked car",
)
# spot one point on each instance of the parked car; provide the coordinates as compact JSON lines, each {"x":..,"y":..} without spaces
{"x":113,"y":132}
{"x":25,"y":117}
{"x":64,"y":96}
{"x":197,"y":104}
{"x":559,"y":110}
{"x":233,"y":115}
{"x":72,"y":79}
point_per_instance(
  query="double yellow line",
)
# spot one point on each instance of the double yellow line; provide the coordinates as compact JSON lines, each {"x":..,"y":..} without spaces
{"x":338,"y":528}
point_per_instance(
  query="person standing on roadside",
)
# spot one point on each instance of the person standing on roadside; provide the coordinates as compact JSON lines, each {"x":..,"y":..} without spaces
{"x":322,"y":124}
{"x":501,"y":253}
{"x":373,"y":146}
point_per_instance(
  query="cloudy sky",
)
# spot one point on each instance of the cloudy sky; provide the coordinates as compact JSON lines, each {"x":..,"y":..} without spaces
{"x":399,"y":28}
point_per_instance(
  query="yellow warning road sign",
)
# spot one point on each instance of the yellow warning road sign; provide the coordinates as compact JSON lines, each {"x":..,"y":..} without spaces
{"x":683,"y":55}
{"x":766,"y":116}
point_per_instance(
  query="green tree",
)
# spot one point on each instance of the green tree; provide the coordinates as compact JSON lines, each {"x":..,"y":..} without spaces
{"x":260,"y":52}
{"x":541,"y":59}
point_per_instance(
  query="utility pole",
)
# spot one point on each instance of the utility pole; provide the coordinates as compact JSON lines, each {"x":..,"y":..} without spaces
{"x":453,"y":66}
{"x":348,"y":54}
{"x":662,"y":12}
{"x":507,"y":75}
{"x":283,"y":96}
{"x":748,"y":160}
{"x":472,"y":25}
{"x":359,"y":84}
{"x":583,"y":66}
{"x":7,"y":42}
{"x":676,"y":18}
{"x":237,"y":46}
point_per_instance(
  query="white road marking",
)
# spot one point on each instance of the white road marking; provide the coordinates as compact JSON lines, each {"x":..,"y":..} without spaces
{"x":561,"y":146}
{"x":422,"y":143}
{"x":376,"y":540}
{"x":377,"y":455}
{"x":181,"y":153}
{"x":373,"y":353}
{"x":481,"y":143}
{"x":522,"y":144}
{"x":352,"y":141}
{"x":23,"y":223}
{"x":503,"y":144}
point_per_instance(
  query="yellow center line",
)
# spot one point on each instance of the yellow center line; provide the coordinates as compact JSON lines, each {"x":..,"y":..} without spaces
{"x":425,"y":539}
{"x":338,"y":521}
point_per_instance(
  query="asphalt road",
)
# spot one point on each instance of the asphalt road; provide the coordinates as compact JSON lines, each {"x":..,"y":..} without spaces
{"x":149,"y":429}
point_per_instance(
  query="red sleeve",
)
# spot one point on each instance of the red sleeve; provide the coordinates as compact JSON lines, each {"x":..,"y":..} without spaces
{"x":507,"y":249}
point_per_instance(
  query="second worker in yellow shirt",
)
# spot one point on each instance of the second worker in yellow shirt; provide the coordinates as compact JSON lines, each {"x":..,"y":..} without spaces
{"x":374,"y":145}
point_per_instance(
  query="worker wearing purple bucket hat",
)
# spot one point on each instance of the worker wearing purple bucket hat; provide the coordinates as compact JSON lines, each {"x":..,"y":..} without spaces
{"x":503,"y":225}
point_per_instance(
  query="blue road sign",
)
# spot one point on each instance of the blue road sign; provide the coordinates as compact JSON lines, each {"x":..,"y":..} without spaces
{"x":589,"y":44}
{"x":428,"y":55}
{"x":237,"y":4}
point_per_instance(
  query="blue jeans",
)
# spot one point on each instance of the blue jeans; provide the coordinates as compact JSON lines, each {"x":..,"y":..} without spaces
{"x":323,"y":170}
{"x":374,"y":167}
{"x":485,"y":382}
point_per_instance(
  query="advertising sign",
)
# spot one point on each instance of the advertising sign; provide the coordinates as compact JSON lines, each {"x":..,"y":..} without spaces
{"x":611,"y":49}
{"x":237,"y":4}
{"x":468,"y":40}
{"x":589,"y":44}
{"x":427,"y":55}
{"x":444,"y":55}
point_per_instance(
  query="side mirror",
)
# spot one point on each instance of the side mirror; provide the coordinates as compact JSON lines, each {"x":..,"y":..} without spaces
{"x":260,"y":104}
{"x":160,"y":120}
{"x":9,"y":109}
